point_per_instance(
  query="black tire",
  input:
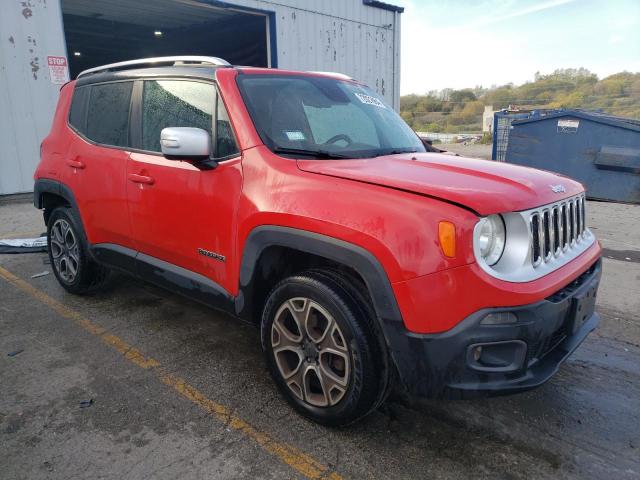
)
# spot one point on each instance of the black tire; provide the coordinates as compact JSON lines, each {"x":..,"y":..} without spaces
{"x":89,"y":276}
{"x":361,"y":300}
{"x":369,"y":375}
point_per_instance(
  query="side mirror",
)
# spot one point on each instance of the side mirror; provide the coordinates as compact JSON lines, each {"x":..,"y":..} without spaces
{"x":185,"y":143}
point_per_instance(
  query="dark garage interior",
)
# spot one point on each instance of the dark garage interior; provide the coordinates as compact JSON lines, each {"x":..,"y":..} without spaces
{"x":108,"y":31}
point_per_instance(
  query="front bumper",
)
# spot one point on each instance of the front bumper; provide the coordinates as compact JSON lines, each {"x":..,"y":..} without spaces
{"x":512,"y":357}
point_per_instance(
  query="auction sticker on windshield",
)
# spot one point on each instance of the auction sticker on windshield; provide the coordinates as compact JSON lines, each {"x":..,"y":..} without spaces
{"x":369,"y":100}
{"x":294,"y":135}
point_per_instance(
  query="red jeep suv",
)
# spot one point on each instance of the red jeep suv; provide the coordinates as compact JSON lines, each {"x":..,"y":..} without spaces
{"x":302,"y":202}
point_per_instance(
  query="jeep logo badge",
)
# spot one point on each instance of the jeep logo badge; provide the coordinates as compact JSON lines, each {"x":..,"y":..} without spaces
{"x":558,"y":188}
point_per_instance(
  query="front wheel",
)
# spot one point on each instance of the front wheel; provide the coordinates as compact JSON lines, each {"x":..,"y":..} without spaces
{"x":322,"y":353}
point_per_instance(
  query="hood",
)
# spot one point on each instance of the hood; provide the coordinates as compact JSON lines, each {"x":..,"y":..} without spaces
{"x":484,"y":186}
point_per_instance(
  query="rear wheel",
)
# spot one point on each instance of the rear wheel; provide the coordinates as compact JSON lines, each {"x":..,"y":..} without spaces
{"x":68,"y":254}
{"x":320,"y":351}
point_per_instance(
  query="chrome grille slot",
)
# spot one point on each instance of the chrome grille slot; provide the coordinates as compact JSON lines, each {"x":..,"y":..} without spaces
{"x":565,"y":225}
{"x":536,"y":256}
{"x":572,"y":221}
{"x":556,"y":230}
{"x":557,"y":233}
{"x":546,"y":235}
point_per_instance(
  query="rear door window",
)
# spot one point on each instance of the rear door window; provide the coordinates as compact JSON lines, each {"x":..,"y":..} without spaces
{"x":175,"y":103}
{"x":108,"y":114}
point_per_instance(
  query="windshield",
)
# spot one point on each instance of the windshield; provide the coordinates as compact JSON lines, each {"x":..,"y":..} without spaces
{"x":324,"y":118}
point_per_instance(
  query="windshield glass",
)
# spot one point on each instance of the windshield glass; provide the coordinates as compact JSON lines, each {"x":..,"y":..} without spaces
{"x":324,"y":118}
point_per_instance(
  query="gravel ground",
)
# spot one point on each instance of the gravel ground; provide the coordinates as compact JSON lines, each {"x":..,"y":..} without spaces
{"x":176,"y":390}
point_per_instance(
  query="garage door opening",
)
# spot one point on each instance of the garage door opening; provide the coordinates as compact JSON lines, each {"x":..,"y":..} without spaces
{"x":108,"y":31}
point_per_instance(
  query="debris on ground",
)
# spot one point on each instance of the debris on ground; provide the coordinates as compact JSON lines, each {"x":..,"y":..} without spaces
{"x":23,"y":245}
{"x":41,"y":274}
{"x":15,"y":353}
{"x":86,"y":403}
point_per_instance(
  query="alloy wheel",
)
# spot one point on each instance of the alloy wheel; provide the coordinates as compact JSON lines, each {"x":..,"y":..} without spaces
{"x":310,"y":352}
{"x":65,"y":251}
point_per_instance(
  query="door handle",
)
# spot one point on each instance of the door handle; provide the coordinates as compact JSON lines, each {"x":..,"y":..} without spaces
{"x":135,"y":178}
{"x":75,"y":164}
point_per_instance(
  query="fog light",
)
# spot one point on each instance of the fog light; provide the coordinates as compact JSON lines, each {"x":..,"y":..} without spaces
{"x":499,"y":318}
{"x":477,"y":353}
{"x":505,"y":356}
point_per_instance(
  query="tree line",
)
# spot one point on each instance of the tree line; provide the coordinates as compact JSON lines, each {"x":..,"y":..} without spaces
{"x":454,"y":111}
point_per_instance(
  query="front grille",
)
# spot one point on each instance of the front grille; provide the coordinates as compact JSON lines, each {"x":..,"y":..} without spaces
{"x":569,"y":289}
{"x":539,"y":349}
{"x":555,"y":228}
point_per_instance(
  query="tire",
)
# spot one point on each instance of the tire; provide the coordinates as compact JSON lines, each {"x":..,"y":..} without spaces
{"x":69,"y":256}
{"x":333,"y":371}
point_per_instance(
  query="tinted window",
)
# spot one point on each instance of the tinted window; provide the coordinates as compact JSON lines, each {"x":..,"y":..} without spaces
{"x":108,"y":113}
{"x":78,"y":109}
{"x":175,"y":103}
{"x":225,"y":143}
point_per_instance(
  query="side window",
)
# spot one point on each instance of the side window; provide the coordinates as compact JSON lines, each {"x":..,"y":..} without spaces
{"x":108,"y":113}
{"x":175,"y":103}
{"x":77,"y":117}
{"x":225,"y":141}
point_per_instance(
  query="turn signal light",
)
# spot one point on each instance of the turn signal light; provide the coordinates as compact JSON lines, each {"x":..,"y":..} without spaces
{"x":447,"y":237}
{"x":499,"y":318}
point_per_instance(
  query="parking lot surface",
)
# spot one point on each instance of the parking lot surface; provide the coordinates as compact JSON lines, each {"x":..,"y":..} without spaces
{"x":136,"y":382}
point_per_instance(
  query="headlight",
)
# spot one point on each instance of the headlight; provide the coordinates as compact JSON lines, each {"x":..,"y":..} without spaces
{"x":491,"y":239}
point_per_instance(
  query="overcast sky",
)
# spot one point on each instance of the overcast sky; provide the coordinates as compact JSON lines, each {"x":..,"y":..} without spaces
{"x":464,"y":43}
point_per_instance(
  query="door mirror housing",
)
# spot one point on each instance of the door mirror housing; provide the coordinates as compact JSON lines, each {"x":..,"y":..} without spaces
{"x":185,"y":143}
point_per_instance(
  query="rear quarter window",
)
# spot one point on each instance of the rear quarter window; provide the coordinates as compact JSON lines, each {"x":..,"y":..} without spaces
{"x":78,"y":110}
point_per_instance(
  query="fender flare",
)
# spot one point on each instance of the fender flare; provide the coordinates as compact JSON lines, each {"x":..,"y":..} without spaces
{"x":46,"y":185}
{"x":354,"y":256}
{"x":55,"y":187}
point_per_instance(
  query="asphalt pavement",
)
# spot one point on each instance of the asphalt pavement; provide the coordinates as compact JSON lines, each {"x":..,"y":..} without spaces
{"x":136,"y":382}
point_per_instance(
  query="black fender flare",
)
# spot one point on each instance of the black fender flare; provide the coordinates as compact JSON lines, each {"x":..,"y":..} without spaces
{"x":46,"y":185}
{"x":55,"y":187}
{"x":331,"y":248}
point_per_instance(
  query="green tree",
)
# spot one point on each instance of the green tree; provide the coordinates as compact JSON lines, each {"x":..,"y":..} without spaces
{"x":461,"y":110}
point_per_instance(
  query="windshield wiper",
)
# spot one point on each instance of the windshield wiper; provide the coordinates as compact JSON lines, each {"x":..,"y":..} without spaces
{"x":320,"y":154}
{"x":395,"y":151}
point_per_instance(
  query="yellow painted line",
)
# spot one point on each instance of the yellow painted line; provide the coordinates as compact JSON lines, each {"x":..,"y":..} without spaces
{"x":304,"y":464}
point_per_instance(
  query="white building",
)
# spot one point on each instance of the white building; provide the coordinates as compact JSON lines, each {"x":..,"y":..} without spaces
{"x":43,"y":43}
{"x":487,"y":119}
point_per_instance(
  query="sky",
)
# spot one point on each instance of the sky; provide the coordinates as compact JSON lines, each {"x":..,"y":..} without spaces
{"x":467,"y":43}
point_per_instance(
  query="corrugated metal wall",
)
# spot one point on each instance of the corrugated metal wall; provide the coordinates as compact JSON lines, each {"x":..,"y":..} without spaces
{"x":339,"y":35}
{"x":30,"y":30}
{"x":330,"y":35}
